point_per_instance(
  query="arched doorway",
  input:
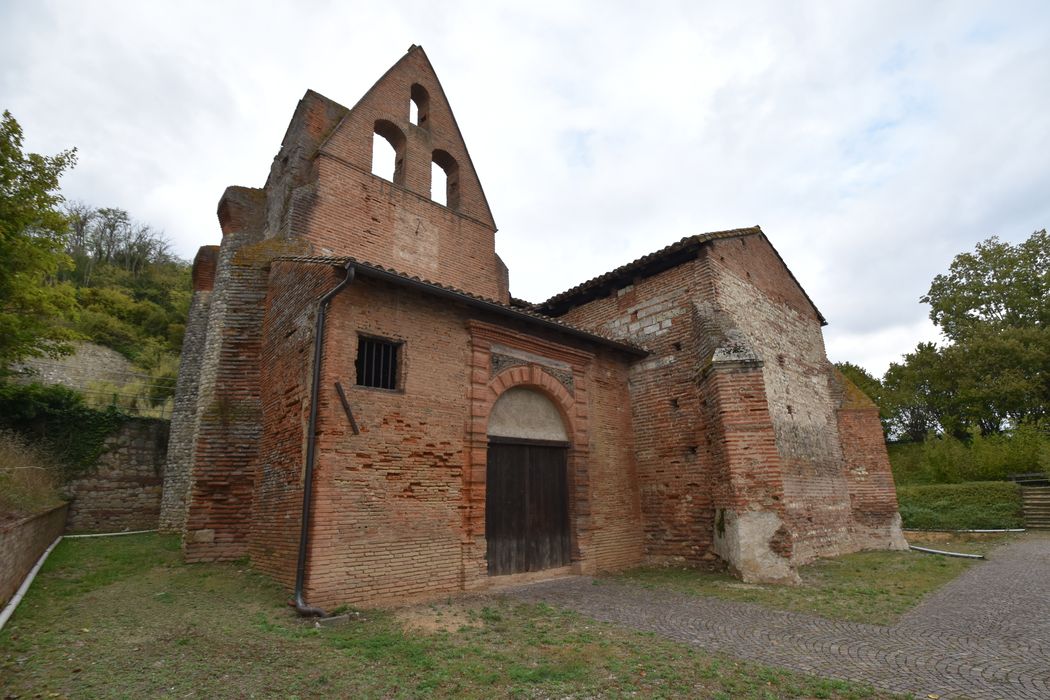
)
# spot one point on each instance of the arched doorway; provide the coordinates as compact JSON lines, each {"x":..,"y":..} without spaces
{"x":527,"y":489}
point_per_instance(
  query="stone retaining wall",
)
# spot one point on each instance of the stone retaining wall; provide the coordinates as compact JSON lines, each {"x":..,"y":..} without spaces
{"x":123,"y":490}
{"x":21,"y":544}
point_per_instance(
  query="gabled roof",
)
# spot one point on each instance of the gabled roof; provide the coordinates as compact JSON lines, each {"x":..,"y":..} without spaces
{"x":413,"y":52}
{"x":673,"y":255}
{"x":366,"y":269}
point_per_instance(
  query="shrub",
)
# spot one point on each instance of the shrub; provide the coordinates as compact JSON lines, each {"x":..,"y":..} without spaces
{"x":58,"y":419}
{"x":947,"y":460}
{"x":29,"y":477}
{"x":974,"y":505}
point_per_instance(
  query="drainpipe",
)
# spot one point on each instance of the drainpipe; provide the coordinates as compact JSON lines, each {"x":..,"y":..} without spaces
{"x":300,"y":605}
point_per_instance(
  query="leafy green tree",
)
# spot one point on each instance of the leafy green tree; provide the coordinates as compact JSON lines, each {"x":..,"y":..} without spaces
{"x":919,"y":394}
{"x":998,"y":285}
{"x":993,"y":306}
{"x":32,"y":238}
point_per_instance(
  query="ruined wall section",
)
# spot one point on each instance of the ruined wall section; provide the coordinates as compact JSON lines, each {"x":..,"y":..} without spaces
{"x":873,"y":495}
{"x":179,"y":458}
{"x":292,"y":174}
{"x":754,"y":289}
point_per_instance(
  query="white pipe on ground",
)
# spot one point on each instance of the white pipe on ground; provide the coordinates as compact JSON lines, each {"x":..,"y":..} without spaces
{"x":927,"y":550}
{"x":108,"y":534}
{"x":1013,"y":529}
{"x":9,"y":609}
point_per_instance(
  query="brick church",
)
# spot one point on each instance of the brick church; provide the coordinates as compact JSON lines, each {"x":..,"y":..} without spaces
{"x":366,"y":412}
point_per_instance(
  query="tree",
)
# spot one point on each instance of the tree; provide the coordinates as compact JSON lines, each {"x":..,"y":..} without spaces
{"x":998,"y":285}
{"x":921,"y":396}
{"x":993,"y":306}
{"x":32,"y":238}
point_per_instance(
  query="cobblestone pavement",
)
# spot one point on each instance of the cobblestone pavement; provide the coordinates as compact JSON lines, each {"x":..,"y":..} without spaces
{"x":984,"y":635}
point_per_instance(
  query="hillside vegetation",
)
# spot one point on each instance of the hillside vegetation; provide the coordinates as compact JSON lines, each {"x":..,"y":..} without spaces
{"x":71,"y":272}
{"x":132,"y":294}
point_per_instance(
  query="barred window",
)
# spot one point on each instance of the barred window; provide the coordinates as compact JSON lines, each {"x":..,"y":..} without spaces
{"x":377,"y":362}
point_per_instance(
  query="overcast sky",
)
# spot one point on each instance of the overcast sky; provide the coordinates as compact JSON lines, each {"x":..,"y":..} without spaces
{"x":871,"y":141}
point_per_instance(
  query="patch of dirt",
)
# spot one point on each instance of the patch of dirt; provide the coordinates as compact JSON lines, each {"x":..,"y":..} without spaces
{"x":439,"y":617}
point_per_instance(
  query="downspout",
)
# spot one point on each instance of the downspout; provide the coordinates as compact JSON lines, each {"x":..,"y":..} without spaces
{"x":300,"y":605}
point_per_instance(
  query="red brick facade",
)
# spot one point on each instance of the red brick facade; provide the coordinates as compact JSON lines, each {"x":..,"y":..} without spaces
{"x":703,"y":421}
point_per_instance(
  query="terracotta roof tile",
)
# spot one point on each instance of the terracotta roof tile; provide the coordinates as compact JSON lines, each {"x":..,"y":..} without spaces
{"x":562,"y":302}
{"x":524,"y":313}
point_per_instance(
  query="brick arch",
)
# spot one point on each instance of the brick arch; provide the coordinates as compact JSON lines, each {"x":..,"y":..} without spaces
{"x":533,"y":377}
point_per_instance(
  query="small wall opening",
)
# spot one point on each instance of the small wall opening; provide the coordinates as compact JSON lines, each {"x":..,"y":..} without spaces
{"x":438,"y":184}
{"x":419,"y":106}
{"x":388,"y":152}
{"x":445,"y":177}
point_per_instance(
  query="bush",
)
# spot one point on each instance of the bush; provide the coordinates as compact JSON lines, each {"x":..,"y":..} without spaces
{"x":974,"y":505}
{"x":29,"y":478}
{"x":947,"y":460}
{"x":58,"y":419}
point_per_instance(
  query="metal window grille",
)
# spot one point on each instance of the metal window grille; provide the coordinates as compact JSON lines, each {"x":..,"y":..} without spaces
{"x":377,"y":363}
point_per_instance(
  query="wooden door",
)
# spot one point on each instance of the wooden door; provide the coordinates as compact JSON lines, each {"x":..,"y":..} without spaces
{"x":526,"y":508}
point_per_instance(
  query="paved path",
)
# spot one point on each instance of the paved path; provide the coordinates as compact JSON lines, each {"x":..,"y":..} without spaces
{"x":984,"y":635}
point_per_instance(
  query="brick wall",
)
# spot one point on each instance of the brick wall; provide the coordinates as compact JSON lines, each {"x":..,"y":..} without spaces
{"x":226,"y":420}
{"x":762,"y":302}
{"x":123,"y":490}
{"x":386,"y":523}
{"x":21,"y":544}
{"x":616,"y":511}
{"x":399,"y":508}
{"x":286,"y":360}
{"x":873,"y":495}
{"x":674,"y":469}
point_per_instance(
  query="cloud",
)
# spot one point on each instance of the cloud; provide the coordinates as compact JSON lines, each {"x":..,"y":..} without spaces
{"x":871,"y":141}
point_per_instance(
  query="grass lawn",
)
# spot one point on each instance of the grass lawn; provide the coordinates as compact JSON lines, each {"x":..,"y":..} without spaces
{"x":123,"y":617}
{"x":872,"y":587}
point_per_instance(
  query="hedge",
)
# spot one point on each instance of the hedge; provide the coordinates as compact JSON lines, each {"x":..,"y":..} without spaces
{"x":973,"y":505}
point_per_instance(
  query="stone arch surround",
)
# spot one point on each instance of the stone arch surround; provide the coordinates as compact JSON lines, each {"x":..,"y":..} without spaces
{"x":486,"y":388}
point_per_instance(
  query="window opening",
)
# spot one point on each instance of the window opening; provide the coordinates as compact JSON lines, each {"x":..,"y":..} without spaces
{"x":391,"y":166}
{"x":419,"y":106}
{"x":438,"y":185}
{"x":383,"y":158}
{"x":450,"y":170}
{"x":377,"y":363}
